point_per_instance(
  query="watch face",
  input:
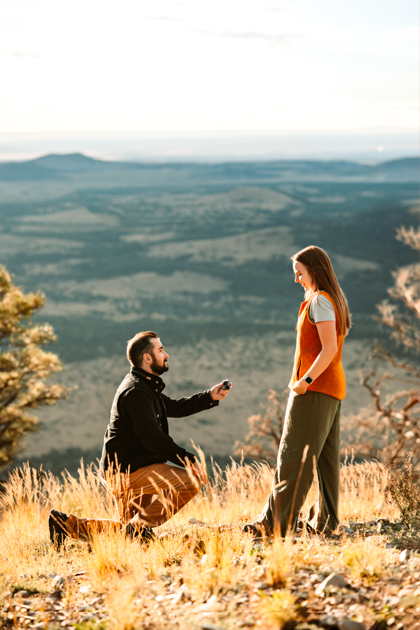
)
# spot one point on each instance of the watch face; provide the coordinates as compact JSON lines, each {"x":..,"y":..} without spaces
{"x":309,"y":380}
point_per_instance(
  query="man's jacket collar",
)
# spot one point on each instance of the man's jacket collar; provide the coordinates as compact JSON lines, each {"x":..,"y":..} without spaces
{"x":155,"y":382}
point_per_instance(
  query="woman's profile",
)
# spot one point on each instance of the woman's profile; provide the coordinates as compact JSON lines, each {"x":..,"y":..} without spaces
{"x":311,"y":434}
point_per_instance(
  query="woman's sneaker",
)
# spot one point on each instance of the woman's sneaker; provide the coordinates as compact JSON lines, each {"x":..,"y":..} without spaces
{"x":256,"y":529}
{"x":148,"y":535}
{"x":57,"y":526}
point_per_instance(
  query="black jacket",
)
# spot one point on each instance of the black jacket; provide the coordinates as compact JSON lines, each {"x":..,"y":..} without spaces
{"x":138,"y":434}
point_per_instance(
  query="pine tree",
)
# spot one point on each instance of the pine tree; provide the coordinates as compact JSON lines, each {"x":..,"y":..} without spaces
{"x":24,"y":366}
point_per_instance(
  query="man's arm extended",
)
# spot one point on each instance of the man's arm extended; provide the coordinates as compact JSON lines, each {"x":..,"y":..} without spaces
{"x":187,"y":406}
{"x":139,"y":406}
{"x":199,"y":402}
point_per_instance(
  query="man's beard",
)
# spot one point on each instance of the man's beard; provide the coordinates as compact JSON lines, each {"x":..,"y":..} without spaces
{"x":158,"y":369}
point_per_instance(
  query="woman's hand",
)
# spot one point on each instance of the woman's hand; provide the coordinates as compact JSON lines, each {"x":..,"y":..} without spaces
{"x":300,"y":387}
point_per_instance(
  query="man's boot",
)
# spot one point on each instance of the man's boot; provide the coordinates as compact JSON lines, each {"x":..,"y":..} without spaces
{"x":142,"y":534}
{"x":57,"y":526}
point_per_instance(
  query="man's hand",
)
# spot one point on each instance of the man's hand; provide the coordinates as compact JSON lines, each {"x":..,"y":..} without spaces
{"x":300,"y":387}
{"x":199,"y":470}
{"x":217,"y":393}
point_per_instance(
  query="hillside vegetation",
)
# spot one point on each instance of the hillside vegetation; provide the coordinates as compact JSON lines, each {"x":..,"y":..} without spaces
{"x":199,"y":253}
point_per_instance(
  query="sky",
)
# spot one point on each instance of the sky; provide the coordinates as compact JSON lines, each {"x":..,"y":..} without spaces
{"x":162,"y":65}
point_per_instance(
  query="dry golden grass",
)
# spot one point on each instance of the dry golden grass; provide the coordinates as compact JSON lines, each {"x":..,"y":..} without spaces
{"x":194,"y":573}
{"x":278,"y":609}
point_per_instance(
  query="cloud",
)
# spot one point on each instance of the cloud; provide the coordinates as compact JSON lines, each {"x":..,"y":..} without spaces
{"x":19,"y":54}
{"x":281,"y":6}
{"x":163,"y":18}
{"x":410,"y":33}
{"x":274,"y":38}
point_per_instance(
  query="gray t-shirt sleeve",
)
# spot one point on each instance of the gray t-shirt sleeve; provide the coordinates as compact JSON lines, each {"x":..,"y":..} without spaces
{"x":321,"y":310}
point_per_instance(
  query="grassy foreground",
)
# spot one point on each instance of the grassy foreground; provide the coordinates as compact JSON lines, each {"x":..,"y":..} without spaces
{"x":206,"y":577}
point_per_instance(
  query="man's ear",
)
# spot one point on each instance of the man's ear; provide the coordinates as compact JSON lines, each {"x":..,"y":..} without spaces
{"x":147,"y":358}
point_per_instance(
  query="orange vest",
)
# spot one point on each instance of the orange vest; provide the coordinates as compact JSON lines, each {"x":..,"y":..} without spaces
{"x":308,"y":347}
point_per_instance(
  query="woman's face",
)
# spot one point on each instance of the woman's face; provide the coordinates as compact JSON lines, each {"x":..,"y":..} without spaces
{"x":302,"y":275}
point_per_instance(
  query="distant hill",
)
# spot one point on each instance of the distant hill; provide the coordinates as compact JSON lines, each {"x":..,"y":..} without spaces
{"x":407,"y":168}
{"x":57,"y":165}
{"x":70,"y":163}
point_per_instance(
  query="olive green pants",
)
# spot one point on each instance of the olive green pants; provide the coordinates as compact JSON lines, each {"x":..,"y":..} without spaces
{"x":313,"y":420}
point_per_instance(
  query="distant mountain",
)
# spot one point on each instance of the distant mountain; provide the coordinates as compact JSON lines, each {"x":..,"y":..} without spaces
{"x":408,"y":168}
{"x":403,"y":163}
{"x":71,"y":162}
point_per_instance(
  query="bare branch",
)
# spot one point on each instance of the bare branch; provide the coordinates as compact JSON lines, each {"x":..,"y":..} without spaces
{"x":390,"y":428}
{"x":263,"y":439}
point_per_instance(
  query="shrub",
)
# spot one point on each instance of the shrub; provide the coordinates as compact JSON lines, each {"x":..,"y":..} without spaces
{"x":405,"y":493}
{"x":24,"y":366}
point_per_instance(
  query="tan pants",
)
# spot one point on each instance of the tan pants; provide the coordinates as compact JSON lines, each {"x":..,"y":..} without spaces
{"x":147,"y":497}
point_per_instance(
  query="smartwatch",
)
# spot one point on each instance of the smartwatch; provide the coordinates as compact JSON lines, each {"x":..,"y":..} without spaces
{"x":309,"y":380}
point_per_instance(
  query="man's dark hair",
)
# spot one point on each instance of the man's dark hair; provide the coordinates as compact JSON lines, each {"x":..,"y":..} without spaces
{"x":139,"y":345}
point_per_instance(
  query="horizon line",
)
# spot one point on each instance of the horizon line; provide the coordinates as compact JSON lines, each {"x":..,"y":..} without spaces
{"x":203,"y":160}
{"x":277,"y":130}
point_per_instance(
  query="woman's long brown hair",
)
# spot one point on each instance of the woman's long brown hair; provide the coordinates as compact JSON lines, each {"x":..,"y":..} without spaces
{"x":322,"y":273}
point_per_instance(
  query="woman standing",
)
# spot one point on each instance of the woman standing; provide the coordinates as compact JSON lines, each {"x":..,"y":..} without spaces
{"x":312,"y":420}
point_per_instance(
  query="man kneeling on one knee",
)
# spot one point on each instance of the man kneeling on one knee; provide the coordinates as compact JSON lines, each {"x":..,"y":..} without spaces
{"x":137,"y":447}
